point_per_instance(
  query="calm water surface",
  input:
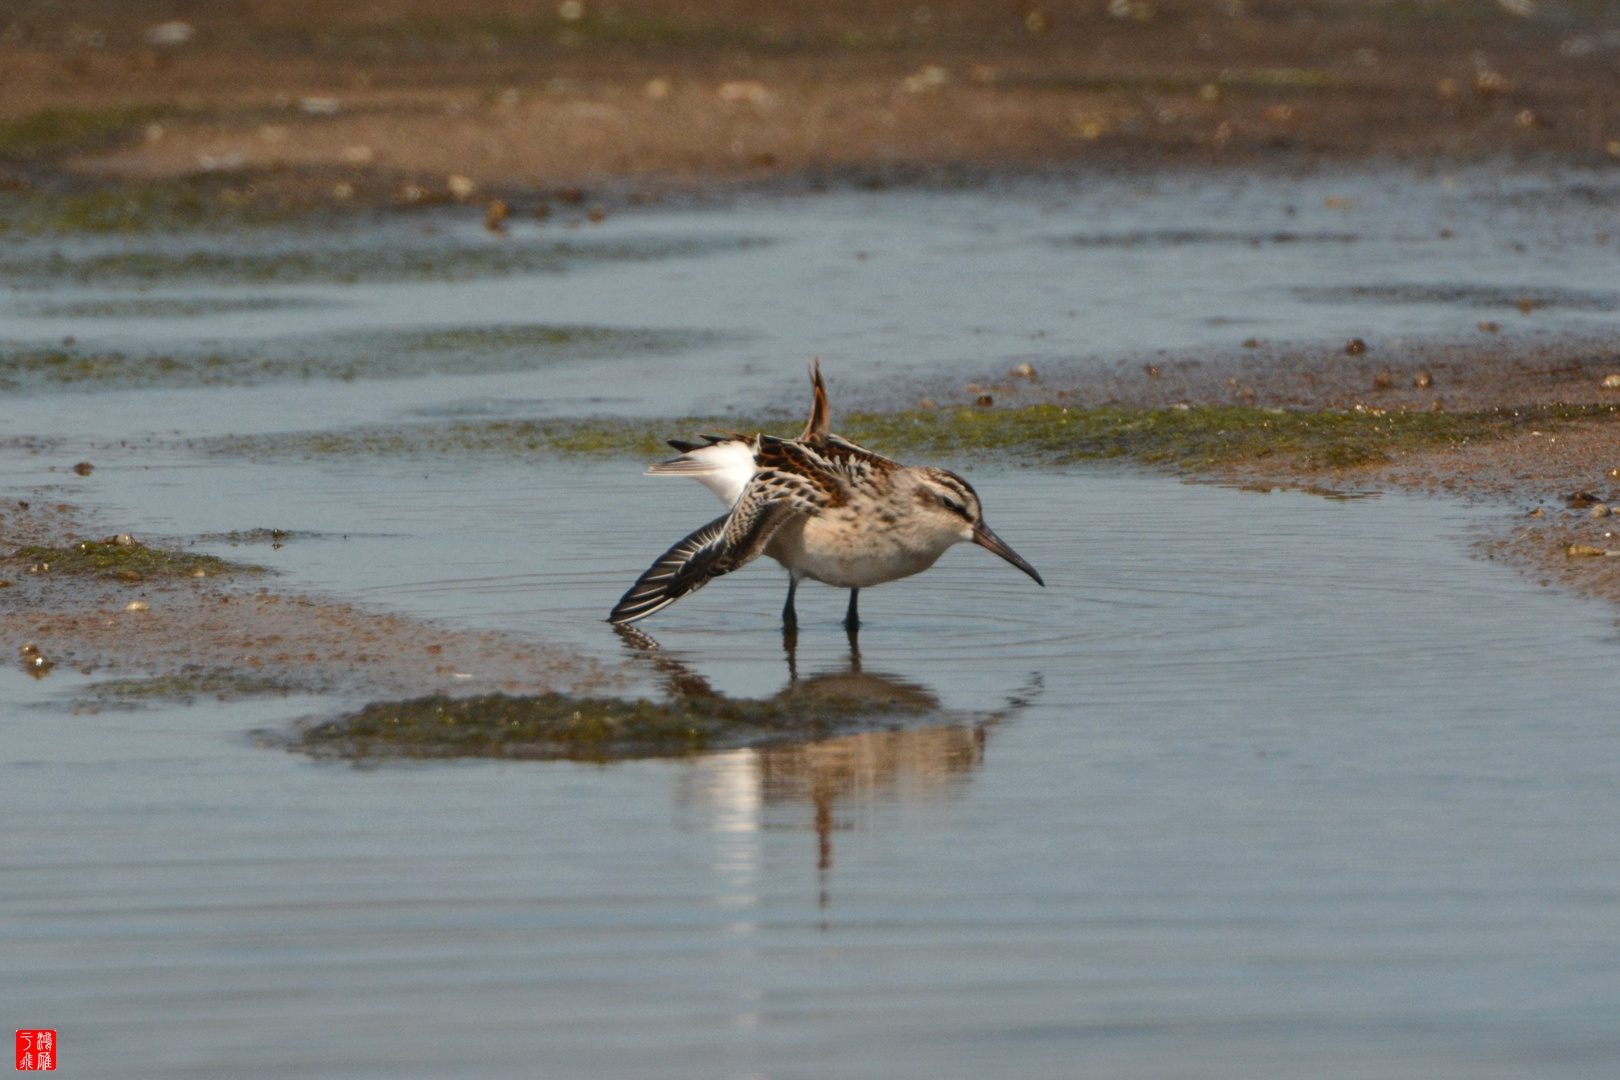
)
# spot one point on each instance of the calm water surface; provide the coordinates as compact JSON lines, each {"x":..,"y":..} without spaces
{"x":1259,"y":786}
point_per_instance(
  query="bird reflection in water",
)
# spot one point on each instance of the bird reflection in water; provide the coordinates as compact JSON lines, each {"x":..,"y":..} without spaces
{"x":738,"y":789}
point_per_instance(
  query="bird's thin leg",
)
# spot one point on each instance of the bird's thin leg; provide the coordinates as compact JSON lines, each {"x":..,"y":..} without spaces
{"x":852,"y":618}
{"x":791,"y":648}
{"x":790,"y":618}
{"x":790,"y":632}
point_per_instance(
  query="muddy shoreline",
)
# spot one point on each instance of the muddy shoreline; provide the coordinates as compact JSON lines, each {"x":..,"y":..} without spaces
{"x":173,"y":633}
{"x":267,"y":108}
{"x":1554,"y":487}
{"x":405,"y":103}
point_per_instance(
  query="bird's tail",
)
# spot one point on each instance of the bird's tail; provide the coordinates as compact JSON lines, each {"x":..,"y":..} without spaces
{"x":820,"y":414}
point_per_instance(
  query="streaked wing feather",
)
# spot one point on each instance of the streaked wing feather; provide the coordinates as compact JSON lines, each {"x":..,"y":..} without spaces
{"x":656,"y":588}
{"x":721,"y":546}
{"x":838,"y":448}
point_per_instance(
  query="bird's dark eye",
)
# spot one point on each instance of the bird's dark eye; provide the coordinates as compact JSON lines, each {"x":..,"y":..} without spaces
{"x":952,"y":505}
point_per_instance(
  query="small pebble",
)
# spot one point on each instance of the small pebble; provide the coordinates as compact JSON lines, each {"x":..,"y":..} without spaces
{"x":84,"y":468}
{"x":1611,"y":382}
{"x":1580,"y":500}
{"x":985,"y":401}
{"x":1383,"y":381}
{"x":1601,"y":510}
{"x":1355,"y":346}
{"x":1536,"y":513}
{"x":1023,"y":371}
{"x":1490,"y":327}
{"x":1586,"y":551}
{"x":495,"y":216}
{"x":136,"y":605}
{"x":1423,"y":381}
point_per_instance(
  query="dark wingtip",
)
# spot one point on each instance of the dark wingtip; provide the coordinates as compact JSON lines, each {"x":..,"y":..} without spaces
{"x":629,"y":610}
{"x":676,"y":572}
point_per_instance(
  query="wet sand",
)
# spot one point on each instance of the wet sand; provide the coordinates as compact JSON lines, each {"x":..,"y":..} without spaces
{"x":387,"y":101}
{"x":1562,"y":473}
{"x":241,"y":634}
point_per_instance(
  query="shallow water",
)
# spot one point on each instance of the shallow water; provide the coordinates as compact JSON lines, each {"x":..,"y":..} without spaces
{"x":881,"y":286}
{"x":1260,"y":785}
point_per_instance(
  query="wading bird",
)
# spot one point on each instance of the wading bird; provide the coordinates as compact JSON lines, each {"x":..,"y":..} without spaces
{"x":821,"y":506}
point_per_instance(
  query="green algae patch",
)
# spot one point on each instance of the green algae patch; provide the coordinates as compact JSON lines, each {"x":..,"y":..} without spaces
{"x":169,"y":307}
{"x":1525,"y":298}
{"x":346,"y":356}
{"x":177,"y":688}
{"x":447,"y":35}
{"x":1195,"y":437}
{"x":126,"y":560}
{"x":209,"y":203}
{"x":1251,"y":81}
{"x":1040,"y":435}
{"x":1178,"y":238}
{"x":273,"y":537}
{"x":560,"y":727}
{"x":53,"y":132}
{"x":519,"y":439}
{"x":346,"y":263}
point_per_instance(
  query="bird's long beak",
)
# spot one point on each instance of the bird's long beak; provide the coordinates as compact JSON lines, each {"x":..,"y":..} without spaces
{"x":987,"y":539}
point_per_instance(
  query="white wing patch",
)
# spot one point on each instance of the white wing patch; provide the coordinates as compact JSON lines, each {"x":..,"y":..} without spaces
{"x":725,"y":468}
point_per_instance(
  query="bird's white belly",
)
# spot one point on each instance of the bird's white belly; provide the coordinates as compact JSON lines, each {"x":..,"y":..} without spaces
{"x":839,"y":551}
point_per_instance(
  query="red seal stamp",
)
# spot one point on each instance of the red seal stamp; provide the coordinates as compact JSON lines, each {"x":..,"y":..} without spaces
{"x":36,"y":1051}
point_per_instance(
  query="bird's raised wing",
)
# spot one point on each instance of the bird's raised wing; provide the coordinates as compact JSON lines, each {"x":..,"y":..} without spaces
{"x":771,"y":500}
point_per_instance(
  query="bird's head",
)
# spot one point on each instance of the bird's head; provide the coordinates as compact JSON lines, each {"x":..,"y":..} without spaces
{"x":951,"y":505}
